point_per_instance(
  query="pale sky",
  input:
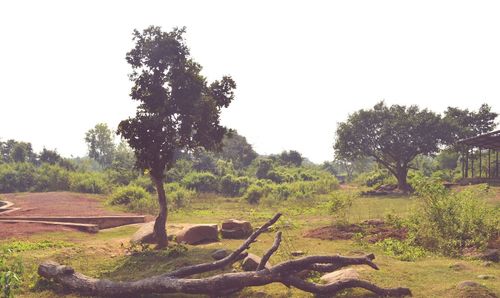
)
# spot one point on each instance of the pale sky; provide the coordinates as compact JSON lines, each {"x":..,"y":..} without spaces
{"x":300,"y":66}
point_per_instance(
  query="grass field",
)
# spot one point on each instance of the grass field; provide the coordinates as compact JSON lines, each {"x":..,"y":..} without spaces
{"x":105,"y":254}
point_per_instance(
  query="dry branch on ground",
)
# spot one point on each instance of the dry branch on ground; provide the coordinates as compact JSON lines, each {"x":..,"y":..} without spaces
{"x":177,"y":281}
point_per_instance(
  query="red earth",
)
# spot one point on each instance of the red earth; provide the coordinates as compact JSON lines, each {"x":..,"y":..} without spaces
{"x":50,"y":204}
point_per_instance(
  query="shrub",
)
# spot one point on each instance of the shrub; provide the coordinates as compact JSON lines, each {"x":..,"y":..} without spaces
{"x":178,"y":196}
{"x":232,"y":186}
{"x":125,"y":195}
{"x":254,"y":193}
{"x":402,"y":250}
{"x":200,"y":181}
{"x":339,"y":203}
{"x":17,"y":177}
{"x":144,"y":182}
{"x":449,"y":222}
{"x":88,"y":182}
{"x":11,"y":271}
{"x":52,"y":178}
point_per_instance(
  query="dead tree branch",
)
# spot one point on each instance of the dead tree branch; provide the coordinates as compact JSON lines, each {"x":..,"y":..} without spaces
{"x":176,"y":281}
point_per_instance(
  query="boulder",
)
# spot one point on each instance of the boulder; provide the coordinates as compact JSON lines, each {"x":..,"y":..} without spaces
{"x":197,"y":234}
{"x":236,"y":229}
{"x":220,"y":254}
{"x":491,"y":255}
{"x":145,"y":234}
{"x":467,"y":284}
{"x":251,"y":262}
{"x":339,"y":275}
{"x":458,"y":267}
{"x":486,"y":276}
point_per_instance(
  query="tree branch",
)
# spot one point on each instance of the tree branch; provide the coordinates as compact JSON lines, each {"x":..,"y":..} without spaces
{"x":174,"y":282}
{"x":269,"y":253}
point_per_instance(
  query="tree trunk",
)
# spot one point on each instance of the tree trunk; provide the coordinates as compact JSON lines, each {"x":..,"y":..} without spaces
{"x":160,"y":231}
{"x":401,"y":175}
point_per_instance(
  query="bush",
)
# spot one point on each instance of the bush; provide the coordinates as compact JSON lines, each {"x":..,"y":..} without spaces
{"x":88,"y":182}
{"x":144,"y":182}
{"x":200,"y":181}
{"x":402,"y":250}
{"x":376,"y":178}
{"x":17,"y":177}
{"x":254,"y":193}
{"x":448,"y":222}
{"x":11,"y":270}
{"x":178,"y":196}
{"x":124,"y":195}
{"x":52,"y":178}
{"x":232,"y":186}
{"x":339,"y":204}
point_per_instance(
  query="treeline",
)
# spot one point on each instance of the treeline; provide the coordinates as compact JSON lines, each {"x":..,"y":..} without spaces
{"x":234,"y":171}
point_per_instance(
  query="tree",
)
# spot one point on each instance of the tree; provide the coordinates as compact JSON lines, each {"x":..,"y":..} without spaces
{"x":177,"y":108}
{"x":49,"y":156}
{"x":236,"y":149}
{"x":466,"y":124}
{"x":101,"y":146}
{"x":291,"y":158}
{"x":393,"y":136}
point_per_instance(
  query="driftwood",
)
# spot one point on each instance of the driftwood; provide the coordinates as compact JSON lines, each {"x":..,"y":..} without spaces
{"x":286,"y":273}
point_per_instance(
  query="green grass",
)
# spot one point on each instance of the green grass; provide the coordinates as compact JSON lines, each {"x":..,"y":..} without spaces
{"x":103,"y":255}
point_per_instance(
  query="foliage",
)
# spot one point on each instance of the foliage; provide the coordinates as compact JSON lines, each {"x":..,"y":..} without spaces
{"x":178,"y":109}
{"x":254,"y":193}
{"x":449,"y":222}
{"x":144,"y":182}
{"x":393,"y":136}
{"x":375,"y":178}
{"x":88,"y":182}
{"x":290,"y":158}
{"x":339,"y":203}
{"x":100,"y":144}
{"x":16,"y":177}
{"x":178,"y":196}
{"x":10,"y":274}
{"x":200,"y":181}
{"x":465,"y":124}
{"x":236,"y":149}
{"x":402,"y":250}
{"x":232,"y":186}
{"x":125,"y":195}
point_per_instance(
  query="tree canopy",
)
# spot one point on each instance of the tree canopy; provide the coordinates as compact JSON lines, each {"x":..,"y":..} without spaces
{"x":100,"y":143}
{"x":178,"y":108}
{"x":392,"y":135}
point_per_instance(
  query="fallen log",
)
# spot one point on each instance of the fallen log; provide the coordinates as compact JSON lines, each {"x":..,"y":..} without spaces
{"x":177,"y":281}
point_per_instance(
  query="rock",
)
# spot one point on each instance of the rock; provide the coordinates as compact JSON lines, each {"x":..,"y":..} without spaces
{"x":467,"y":283}
{"x":236,"y":229}
{"x":490,"y":255}
{"x":220,"y":254}
{"x":298,"y":253}
{"x":251,"y":262}
{"x":486,"y":276}
{"x":487,"y":263}
{"x":145,"y":234}
{"x":197,"y":234}
{"x":339,"y":275}
{"x":458,"y":266}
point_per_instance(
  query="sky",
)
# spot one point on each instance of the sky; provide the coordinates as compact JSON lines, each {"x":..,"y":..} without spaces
{"x":301,"y":67}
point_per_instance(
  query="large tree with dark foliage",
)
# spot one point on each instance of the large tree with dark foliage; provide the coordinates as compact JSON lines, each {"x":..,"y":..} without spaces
{"x":465,"y":124}
{"x":178,"y":108}
{"x":393,"y":136}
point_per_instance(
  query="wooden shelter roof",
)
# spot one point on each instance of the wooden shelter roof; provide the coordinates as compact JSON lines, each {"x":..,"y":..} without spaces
{"x":489,"y":140}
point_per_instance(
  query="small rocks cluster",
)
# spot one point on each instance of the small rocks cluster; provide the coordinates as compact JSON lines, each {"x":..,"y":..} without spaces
{"x":198,"y":233}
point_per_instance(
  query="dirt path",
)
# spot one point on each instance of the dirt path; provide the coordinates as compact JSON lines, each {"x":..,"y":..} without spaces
{"x":50,"y":204}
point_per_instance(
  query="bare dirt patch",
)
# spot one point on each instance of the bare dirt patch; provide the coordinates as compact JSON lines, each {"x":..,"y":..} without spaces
{"x":371,"y":232}
{"x":50,"y":204}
